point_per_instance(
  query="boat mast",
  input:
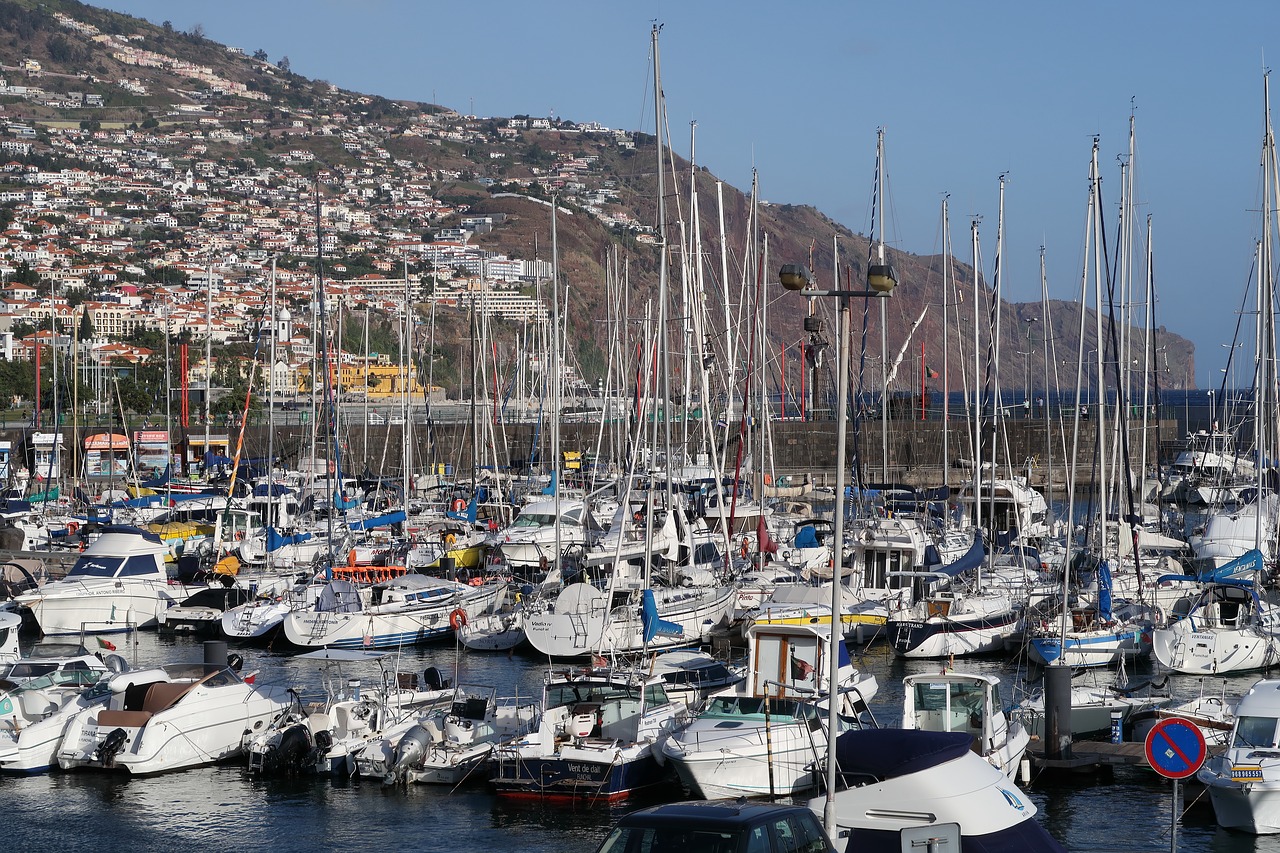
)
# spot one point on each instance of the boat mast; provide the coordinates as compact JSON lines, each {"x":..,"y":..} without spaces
{"x":884,"y":334}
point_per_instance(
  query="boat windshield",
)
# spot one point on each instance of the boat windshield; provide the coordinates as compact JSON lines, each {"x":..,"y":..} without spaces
{"x":534,"y":519}
{"x":62,"y":678}
{"x":753,"y":707}
{"x":572,"y":694}
{"x":1254,"y":732}
{"x":110,"y":567}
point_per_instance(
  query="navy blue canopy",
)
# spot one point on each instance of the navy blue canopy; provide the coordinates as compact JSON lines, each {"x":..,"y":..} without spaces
{"x":889,"y":753}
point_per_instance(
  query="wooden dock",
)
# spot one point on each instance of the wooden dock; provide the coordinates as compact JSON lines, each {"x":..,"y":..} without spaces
{"x":1092,"y":755}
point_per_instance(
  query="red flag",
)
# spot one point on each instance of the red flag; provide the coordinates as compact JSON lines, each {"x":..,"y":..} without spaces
{"x":106,"y":644}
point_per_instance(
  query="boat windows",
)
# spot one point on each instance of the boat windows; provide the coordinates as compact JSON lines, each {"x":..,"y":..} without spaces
{"x":96,"y":567}
{"x":138,"y":566}
{"x":533,"y":519}
{"x":1256,"y":732}
{"x":655,"y":696}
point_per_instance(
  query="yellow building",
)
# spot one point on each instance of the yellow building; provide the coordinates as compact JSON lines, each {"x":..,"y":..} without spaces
{"x":376,"y":379}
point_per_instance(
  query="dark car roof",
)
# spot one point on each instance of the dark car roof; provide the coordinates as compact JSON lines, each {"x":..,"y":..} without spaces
{"x":711,"y":815}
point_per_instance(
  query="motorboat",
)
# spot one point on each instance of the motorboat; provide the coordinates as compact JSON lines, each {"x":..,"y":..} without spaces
{"x":448,"y":745}
{"x":907,"y":789}
{"x":71,"y":662}
{"x":597,"y":739}
{"x":691,"y":675}
{"x":1244,"y":780}
{"x":9,"y":624}
{"x":34,"y":716}
{"x":169,"y":718}
{"x":1095,"y":708}
{"x":950,"y":701}
{"x":1213,"y":713}
{"x":325,"y":738}
{"x":763,"y":736}
{"x":201,"y":612}
{"x":404,"y":610}
{"x":118,"y":584}
{"x":540,"y":526}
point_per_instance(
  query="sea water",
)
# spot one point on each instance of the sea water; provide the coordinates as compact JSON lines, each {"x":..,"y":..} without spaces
{"x":222,"y":808}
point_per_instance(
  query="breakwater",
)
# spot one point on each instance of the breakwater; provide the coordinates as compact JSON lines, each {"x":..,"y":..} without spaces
{"x":913,"y":451}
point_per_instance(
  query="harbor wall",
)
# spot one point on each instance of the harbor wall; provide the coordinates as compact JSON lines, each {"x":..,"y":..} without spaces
{"x":915,"y":448}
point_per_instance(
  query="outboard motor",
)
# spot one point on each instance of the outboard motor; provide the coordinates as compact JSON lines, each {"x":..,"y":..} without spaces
{"x":110,"y":747}
{"x":290,"y":755}
{"x":412,"y":748}
{"x":432,"y":678}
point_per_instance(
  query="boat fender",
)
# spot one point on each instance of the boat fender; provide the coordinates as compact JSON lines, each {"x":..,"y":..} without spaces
{"x":458,"y":619}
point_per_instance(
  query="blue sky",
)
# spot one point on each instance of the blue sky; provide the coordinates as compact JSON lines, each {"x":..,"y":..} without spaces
{"x":965,"y":92}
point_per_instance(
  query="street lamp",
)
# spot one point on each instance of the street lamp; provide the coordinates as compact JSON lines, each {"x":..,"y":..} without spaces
{"x":881,"y":280}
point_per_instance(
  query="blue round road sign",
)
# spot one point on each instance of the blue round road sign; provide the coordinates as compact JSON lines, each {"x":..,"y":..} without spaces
{"x":1175,"y":748}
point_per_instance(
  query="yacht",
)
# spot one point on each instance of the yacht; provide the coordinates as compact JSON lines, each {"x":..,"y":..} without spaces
{"x":763,"y":736}
{"x":1228,"y":628}
{"x":952,"y":701}
{"x":1244,"y":781}
{"x":120,"y":583}
{"x":908,"y":789}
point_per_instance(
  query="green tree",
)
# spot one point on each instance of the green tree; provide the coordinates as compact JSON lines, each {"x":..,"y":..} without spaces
{"x":86,"y":327}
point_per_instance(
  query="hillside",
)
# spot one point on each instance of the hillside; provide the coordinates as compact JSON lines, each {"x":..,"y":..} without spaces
{"x":199,"y":149}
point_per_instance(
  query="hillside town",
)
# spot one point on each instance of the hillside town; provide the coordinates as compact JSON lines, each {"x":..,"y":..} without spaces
{"x":151,"y":227}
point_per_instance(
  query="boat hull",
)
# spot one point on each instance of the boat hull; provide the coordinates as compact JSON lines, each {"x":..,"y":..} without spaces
{"x":577,"y":778}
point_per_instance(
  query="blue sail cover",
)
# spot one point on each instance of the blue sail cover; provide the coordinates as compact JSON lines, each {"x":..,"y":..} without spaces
{"x":276,"y":541}
{"x":969,"y":561}
{"x":550,"y":488}
{"x":1249,"y":561}
{"x":161,"y":481}
{"x":1104,"y":591}
{"x":653,"y":626}
{"x":397,"y":517}
{"x":275,"y":490}
{"x":340,"y":502}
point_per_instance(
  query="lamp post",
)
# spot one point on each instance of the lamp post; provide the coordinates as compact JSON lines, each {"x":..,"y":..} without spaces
{"x":881,"y":280}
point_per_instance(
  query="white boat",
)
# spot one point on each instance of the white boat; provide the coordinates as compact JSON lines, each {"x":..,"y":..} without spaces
{"x":9,"y":624}
{"x":1228,"y":628}
{"x":966,"y":702}
{"x":1244,"y":781}
{"x":1213,"y":714}
{"x":261,"y":618}
{"x":690,"y":676}
{"x":1095,"y":639}
{"x":326,"y":741}
{"x":954,"y":622}
{"x":583,"y":620}
{"x":35,"y":715}
{"x":597,"y":739}
{"x":1095,"y":709}
{"x":536,"y":529}
{"x":67,"y":661}
{"x":763,"y":736}
{"x":120,"y":583}
{"x":169,"y":718}
{"x":403,"y":611}
{"x":201,"y":612}
{"x":498,"y":628}
{"x":449,"y":745}
{"x":908,"y":790}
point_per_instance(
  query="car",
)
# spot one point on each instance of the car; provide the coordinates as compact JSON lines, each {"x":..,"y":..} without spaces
{"x":720,"y":826}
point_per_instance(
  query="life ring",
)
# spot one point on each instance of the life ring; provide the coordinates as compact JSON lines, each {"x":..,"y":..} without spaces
{"x":458,"y":619}
{"x":72,"y":527}
{"x":458,"y":505}
{"x":449,"y":539}
{"x":239,"y":535}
